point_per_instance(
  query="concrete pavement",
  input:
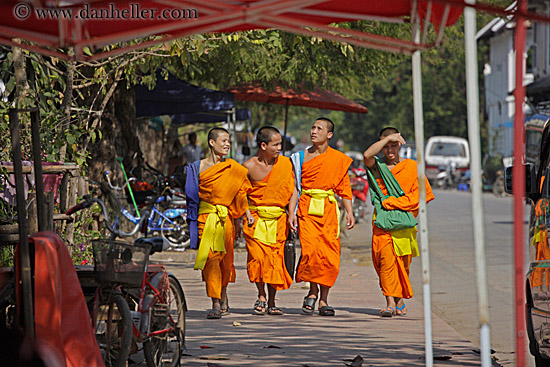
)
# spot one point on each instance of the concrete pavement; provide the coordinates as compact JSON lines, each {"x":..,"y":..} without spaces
{"x":244,"y":339}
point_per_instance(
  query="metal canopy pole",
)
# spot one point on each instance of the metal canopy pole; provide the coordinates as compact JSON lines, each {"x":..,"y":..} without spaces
{"x":38,"y":178}
{"x":518,"y":184}
{"x":472,"y":97}
{"x":422,"y":214}
{"x":24,"y":263}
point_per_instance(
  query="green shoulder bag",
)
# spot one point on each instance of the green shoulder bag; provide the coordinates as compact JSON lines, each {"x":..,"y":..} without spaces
{"x":388,"y":220}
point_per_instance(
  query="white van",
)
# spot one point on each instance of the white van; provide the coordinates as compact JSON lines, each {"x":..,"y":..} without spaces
{"x":441,"y":151}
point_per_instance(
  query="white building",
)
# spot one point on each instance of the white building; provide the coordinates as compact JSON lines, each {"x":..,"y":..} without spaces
{"x":539,"y":91}
{"x":499,"y":72}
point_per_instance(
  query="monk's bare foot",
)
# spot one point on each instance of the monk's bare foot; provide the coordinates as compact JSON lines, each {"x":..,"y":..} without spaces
{"x":224,"y":305}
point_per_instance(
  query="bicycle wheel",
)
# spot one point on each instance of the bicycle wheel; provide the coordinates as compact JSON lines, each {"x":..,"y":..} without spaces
{"x":113,"y":329}
{"x":176,"y":232}
{"x":165,"y":349}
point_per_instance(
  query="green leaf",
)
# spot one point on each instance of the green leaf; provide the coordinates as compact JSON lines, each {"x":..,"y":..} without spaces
{"x":70,"y":138}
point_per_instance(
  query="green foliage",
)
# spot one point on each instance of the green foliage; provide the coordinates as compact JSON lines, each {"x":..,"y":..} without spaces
{"x":81,"y":251}
{"x":443,"y":90}
{"x":7,"y":254}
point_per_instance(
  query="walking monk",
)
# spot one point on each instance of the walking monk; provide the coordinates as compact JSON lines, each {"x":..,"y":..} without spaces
{"x":321,"y":172}
{"x":216,"y":193}
{"x":392,"y":258}
{"x":272,"y":187}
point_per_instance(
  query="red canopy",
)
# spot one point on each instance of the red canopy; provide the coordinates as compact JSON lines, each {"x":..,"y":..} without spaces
{"x":53,"y":24}
{"x":318,"y":98}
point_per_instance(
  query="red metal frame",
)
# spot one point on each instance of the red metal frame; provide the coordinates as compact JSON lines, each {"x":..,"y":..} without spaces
{"x":518,"y":185}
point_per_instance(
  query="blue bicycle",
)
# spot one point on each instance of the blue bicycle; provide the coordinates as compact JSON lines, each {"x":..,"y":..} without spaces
{"x":169,"y":223}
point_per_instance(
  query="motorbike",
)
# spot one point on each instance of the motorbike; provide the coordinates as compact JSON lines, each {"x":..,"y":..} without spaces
{"x":359,"y":190}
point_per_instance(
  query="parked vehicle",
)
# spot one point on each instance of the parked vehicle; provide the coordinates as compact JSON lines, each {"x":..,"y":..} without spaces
{"x":169,"y":220}
{"x":537,"y":289}
{"x":441,"y":151}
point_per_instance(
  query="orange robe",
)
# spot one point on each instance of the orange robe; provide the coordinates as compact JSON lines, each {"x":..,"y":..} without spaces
{"x":225,"y":184}
{"x":319,"y":235}
{"x":265,"y":263}
{"x":393,"y":270}
{"x":541,"y":276}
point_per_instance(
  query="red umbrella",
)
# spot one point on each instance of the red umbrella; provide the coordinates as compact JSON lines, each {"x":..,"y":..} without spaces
{"x":317,"y":98}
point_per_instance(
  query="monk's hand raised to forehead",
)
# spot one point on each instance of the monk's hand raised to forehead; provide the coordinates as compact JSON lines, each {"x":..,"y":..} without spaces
{"x":395,"y":137}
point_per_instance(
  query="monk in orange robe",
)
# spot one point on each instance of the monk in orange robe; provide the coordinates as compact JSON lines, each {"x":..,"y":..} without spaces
{"x":321,"y":172}
{"x":222,"y":197}
{"x":390,"y":255}
{"x":272,"y":187}
{"x":539,"y":278}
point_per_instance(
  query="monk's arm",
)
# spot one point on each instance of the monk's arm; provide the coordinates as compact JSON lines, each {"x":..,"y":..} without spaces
{"x":350,"y":219}
{"x":376,"y":148}
{"x":408,"y":202}
{"x":292,"y":220}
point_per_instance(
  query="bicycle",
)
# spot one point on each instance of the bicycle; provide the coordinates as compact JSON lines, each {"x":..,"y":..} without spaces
{"x":170,"y":223}
{"x":135,"y":302}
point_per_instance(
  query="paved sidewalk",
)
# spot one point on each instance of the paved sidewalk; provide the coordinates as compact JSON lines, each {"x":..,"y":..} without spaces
{"x":244,"y":339}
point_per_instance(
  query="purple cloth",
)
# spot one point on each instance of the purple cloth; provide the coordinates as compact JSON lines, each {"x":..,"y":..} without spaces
{"x":192,"y":198}
{"x":7,"y":183}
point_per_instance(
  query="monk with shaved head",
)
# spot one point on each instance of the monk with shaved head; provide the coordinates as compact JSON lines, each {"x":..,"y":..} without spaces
{"x":321,"y":173}
{"x":272,"y":187}
{"x":392,"y":252}
{"x":216,"y":194}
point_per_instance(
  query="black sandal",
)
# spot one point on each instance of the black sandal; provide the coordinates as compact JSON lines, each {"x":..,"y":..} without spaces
{"x":258,"y":307}
{"x":274,"y":311}
{"x":308,"y":307}
{"x":326,"y":311}
{"x":214,"y":314}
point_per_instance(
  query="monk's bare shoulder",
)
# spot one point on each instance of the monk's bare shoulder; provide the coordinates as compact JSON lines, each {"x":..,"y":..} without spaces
{"x":204,"y":165}
{"x":249,"y":164}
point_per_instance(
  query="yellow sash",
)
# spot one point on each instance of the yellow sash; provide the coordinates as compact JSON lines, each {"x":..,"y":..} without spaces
{"x":404,"y":242}
{"x":266,"y":228}
{"x":536,"y":237}
{"x":213,"y":234}
{"x":317,"y":203}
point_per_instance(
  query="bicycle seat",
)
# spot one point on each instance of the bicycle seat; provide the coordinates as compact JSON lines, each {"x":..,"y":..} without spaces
{"x":158,"y":244}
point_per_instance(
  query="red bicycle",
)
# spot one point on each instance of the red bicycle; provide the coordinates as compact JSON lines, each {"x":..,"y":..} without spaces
{"x":132,"y":302}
